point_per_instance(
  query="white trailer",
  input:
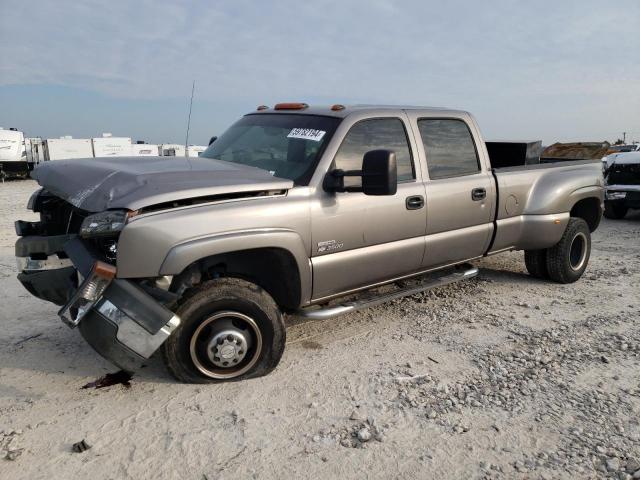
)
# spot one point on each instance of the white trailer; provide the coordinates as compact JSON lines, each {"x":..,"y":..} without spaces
{"x":171,"y":150}
{"x":108,"y":146}
{"x":13,"y":154}
{"x":67,"y":147}
{"x":144,"y":150}
{"x":195,"y":150}
{"x":35,"y":151}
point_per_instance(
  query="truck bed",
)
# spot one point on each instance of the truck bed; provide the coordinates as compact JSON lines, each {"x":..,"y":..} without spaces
{"x":540,"y":166}
{"x":534,"y":202}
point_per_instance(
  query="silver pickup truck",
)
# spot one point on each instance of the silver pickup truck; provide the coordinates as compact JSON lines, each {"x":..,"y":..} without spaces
{"x":292,"y":211}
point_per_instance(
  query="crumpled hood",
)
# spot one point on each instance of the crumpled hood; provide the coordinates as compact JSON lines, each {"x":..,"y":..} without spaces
{"x":624,"y":158}
{"x":97,"y":184}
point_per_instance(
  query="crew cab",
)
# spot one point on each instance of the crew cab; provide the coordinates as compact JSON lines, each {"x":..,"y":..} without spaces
{"x":294,"y":210}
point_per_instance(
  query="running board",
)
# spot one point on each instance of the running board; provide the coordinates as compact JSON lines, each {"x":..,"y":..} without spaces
{"x":465,"y":272}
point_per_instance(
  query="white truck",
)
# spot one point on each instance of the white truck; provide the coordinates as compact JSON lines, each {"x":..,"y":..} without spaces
{"x":622,"y":176}
{"x":67,"y":147}
{"x":13,"y":155}
{"x":108,"y":146}
{"x":35,"y":151}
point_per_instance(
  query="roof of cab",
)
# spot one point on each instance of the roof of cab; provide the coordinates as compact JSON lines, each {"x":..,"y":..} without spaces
{"x":326,"y":110}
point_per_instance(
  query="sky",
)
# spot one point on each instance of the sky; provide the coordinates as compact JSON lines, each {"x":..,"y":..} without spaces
{"x":551,"y":70}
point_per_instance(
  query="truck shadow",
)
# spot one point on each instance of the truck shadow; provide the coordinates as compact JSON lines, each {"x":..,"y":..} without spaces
{"x":633,"y":215}
{"x":504,"y":276}
{"x":52,"y":348}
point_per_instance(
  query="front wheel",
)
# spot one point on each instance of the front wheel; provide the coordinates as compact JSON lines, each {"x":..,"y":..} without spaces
{"x":230,"y":329}
{"x":568,"y":259}
{"x":614,"y":211}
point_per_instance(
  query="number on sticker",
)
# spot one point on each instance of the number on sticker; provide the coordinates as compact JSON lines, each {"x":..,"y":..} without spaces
{"x":306,"y":134}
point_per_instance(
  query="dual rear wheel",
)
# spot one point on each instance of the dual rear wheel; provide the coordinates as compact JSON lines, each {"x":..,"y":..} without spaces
{"x":567,"y":260}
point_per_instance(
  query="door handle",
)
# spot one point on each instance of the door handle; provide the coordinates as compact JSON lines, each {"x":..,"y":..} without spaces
{"x":478,"y":194}
{"x":415,"y":203}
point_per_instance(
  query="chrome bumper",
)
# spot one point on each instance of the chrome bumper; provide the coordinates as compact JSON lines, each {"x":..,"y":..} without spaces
{"x":131,"y":334}
{"x":119,"y":319}
{"x":52,"y":262}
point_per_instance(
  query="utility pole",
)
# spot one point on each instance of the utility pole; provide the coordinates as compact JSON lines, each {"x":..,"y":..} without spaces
{"x":624,"y":137}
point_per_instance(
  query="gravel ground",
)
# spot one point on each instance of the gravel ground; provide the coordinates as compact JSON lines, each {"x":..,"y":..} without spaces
{"x":502,"y":376}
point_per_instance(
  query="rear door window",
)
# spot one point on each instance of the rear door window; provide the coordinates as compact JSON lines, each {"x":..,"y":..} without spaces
{"x":375,"y":134}
{"x":449,"y":148}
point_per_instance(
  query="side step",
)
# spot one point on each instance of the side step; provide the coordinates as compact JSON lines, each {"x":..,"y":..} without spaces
{"x":464,"y":272}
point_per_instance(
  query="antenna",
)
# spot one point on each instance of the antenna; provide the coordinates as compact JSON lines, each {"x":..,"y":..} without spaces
{"x":186,"y":140}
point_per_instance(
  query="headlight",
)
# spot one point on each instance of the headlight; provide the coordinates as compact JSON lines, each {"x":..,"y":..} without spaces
{"x":104,"y":224}
{"x":87,"y":294}
{"x":616,"y":195}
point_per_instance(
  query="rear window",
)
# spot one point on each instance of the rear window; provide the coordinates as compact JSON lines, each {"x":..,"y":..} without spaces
{"x":449,"y":148}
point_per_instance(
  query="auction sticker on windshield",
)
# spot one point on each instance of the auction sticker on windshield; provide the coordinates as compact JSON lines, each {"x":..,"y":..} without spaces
{"x":306,"y":134}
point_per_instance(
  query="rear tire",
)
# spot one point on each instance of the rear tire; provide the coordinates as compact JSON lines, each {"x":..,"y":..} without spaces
{"x":230,"y":330}
{"x":536,"y":263}
{"x":613,"y":211}
{"x":568,"y":259}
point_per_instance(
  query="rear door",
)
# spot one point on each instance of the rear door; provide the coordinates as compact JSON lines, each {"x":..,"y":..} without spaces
{"x":460,"y":189}
{"x":360,"y":239}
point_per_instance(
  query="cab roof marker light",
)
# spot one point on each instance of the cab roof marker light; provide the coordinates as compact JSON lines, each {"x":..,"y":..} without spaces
{"x":291,"y":106}
{"x":262,"y":107}
{"x":337,"y":107}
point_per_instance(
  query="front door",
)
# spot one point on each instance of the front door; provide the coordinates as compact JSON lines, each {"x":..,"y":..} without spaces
{"x":360,"y":239}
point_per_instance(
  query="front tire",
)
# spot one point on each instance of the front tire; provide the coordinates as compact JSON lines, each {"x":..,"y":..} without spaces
{"x":230,"y":330}
{"x":568,"y":259}
{"x":614,"y":211}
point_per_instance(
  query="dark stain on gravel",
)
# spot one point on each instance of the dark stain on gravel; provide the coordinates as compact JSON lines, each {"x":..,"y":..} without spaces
{"x":120,"y":377}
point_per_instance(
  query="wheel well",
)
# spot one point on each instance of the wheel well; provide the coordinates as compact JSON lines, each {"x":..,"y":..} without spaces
{"x":589,"y":210}
{"x":274,"y":269}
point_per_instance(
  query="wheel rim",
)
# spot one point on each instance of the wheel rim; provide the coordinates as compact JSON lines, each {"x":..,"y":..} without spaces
{"x":225,"y":345}
{"x":578,"y":251}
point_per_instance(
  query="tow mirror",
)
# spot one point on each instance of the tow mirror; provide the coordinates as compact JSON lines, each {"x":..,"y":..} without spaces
{"x":379,"y":175}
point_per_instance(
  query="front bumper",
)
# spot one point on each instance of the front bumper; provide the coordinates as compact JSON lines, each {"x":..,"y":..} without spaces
{"x":623,"y":195}
{"x":122,"y":323}
{"x":44,"y":268}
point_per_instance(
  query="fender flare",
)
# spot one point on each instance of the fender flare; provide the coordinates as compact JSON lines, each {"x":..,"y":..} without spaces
{"x":559,"y":194}
{"x":182,"y":255}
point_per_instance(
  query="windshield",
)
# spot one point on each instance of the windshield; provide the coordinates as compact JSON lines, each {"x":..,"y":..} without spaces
{"x":286,"y":145}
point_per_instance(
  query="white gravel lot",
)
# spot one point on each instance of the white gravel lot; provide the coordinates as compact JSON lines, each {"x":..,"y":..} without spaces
{"x":500,"y":377}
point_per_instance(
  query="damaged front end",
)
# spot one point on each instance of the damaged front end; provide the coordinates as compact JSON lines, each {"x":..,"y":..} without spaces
{"x":623,"y":182}
{"x":68,"y":258}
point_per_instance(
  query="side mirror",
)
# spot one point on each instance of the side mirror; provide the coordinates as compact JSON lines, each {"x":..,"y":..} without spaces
{"x":212,"y":139}
{"x":379,"y":175}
